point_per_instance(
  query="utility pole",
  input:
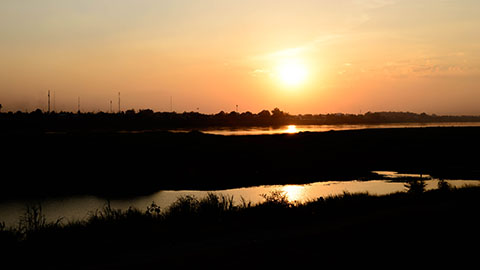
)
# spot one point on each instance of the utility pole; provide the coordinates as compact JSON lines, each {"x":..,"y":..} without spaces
{"x":78,"y":105}
{"x":171,"y":104}
{"x":119,"y":111}
{"x":48,"y":101}
{"x":111,"y":110}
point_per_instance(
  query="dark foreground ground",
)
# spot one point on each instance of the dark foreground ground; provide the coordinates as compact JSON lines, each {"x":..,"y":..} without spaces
{"x":114,"y":164}
{"x":430,"y":229}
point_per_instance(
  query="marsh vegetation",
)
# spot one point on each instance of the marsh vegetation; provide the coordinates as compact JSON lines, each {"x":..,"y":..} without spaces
{"x":214,"y":227}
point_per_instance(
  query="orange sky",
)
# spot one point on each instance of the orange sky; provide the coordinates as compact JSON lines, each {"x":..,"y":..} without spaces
{"x":355,"y":56}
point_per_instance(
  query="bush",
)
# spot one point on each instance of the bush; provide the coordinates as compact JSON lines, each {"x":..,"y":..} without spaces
{"x":416,"y":186}
{"x":276,"y":198}
{"x":190,"y":207}
{"x":444,"y":185}
{"x":213,"y":204}
{"x":153,"y":210}
{"x":183,"y":207}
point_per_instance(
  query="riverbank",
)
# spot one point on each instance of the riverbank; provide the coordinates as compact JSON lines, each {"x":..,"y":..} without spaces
{"x":117,"y":165}
{"x":131,"y":120}
{"x":405,"y":227}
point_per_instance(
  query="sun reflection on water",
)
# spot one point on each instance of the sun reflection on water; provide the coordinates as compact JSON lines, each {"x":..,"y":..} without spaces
{"x":291,"y":129}
{"x":294,"y":193}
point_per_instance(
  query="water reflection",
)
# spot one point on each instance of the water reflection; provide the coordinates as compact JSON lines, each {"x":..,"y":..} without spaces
{"x":322,"y":128}
{"x":395,"y":175}
{"x":294,"y":193}
{"x":77,"y":208}
{"x":291,"y":129}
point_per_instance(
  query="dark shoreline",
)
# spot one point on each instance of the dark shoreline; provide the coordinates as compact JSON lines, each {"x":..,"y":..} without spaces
{"x":132,"y":120}
{"x":128,"y":164}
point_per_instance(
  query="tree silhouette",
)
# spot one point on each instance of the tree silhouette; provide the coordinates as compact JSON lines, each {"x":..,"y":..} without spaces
{"x":277,"y":113}
{"x":264,"y":114}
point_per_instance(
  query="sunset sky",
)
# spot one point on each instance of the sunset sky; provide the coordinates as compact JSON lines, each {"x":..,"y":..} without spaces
{"x":319,"y":56}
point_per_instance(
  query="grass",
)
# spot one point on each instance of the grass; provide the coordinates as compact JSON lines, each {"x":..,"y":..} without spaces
{"x":215,"y":222}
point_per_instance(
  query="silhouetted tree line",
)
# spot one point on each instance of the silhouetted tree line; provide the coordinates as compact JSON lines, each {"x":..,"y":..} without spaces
{"x":148,"y":119}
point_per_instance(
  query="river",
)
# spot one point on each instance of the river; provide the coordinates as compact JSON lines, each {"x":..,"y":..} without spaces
{"x":79,"y":207}
{"x":320,"y":128}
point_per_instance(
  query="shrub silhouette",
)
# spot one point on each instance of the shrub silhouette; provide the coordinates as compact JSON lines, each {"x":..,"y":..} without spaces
{"x":276,"y":198}
{"x":153,"y":210}
{"x":416,"y":186}
{"x":184,"y":207}
{"x":214,"y":205}
{"x":444,"y":185}
{"x":188,"y":207}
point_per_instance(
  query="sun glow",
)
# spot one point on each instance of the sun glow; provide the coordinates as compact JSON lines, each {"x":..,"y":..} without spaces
{"x":291,"y":72}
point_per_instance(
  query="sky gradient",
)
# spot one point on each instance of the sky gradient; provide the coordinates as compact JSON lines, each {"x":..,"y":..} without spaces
{"x":359,"y":56}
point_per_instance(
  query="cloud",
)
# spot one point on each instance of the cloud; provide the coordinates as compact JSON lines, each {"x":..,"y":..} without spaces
{"x":262,"y":64}
{"x":357,"y":19}
{"x":373,"y":4}
{"x":425,"y":67}
{"x":304,"y":48}
{"x":260,"y":72}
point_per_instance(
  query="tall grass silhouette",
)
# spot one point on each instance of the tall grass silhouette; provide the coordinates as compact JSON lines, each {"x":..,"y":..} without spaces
{"x":190,"y":222}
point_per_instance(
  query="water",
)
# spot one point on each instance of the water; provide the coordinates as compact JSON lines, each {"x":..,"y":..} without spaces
{"x":322,"y":128}
{"x":319,"y":128}
{"x":79,"y":207}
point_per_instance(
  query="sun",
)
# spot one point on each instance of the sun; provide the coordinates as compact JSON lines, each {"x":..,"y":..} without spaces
{"x":291,"y":72}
